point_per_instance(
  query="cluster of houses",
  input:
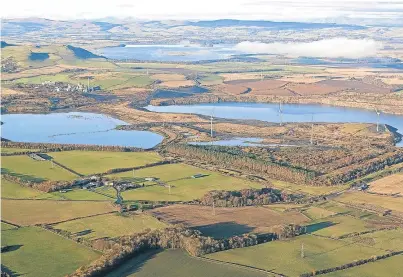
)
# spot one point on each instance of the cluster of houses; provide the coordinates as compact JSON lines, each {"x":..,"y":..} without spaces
{"x":61,"y":86}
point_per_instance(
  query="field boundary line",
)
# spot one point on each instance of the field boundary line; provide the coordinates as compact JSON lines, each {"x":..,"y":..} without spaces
{"x":240,"y":266}
{"x":77,"y":218}
{"x":66,"y":168}
{"x":10,"y":223}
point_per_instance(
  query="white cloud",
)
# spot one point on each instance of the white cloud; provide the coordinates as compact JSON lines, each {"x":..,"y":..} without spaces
{"x":327,"y":48}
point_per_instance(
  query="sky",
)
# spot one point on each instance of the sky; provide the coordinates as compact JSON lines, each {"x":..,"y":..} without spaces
{"x":342,"y":11}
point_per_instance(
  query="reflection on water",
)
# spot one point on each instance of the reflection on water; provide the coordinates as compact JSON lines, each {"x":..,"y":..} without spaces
{"x":74,"y":128}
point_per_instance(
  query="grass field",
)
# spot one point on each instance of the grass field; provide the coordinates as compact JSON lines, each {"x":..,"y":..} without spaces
{"x":5,"y":226}
{"x":110,"y":225}
{"x":13,"y":190}
{"x":90,"y":162}
{"x":81,"y":194}
{"x":285,"y":256}
{"x":386,"y":240}
{"x":183,"y":187}
{"x":228,"y":222}
{"x":27,"y":168}
{"x":317,"y":212}
{"x":389,"y":267}
{"x":28,"y":212}
{"x":175,"y":263}
{"x":361,"y":198}
{"x":16,"y":150}
{"x":341,"y":225}
{"x":41,"y":253}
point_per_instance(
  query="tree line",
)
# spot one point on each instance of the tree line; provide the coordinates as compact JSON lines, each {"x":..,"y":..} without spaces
{"x":116,"y":251}
{"x":242,"y":162}
{"x":55,"y":147}
{"x":246,"y":197}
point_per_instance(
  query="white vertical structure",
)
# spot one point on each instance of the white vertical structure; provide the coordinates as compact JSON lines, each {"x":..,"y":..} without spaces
{"x":302,"y":251}
{"x":378,"y":113}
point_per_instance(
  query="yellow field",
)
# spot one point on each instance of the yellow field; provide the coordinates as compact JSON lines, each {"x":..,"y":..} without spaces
{"x":361,"y":198}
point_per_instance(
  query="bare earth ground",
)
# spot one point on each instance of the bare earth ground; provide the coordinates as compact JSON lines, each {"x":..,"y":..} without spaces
{"x":257,"y":219}
{"x":388,"y":185}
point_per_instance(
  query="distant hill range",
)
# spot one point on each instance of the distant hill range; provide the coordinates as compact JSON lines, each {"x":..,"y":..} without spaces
{"x":269,"y":24}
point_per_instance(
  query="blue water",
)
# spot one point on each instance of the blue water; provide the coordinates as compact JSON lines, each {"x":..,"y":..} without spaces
{"x":75,"y":128}
{"x":168,"y":53}
{"x":232,"y":142}
{"x":291,"y":113}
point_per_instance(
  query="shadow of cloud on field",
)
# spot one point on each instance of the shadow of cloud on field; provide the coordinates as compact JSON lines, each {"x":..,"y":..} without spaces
{"x":224,"y":229}
{"x":318,"y":226}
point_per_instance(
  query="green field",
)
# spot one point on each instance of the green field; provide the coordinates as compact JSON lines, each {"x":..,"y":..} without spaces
{"x":60,"y":77}
{"x":344,"y":225}
{"x":183,"y":187}
{"x":285,"y":256}
{"x":28,"y":212}
{"x":386,"y":240}
{"x":390,"y":267}
{"x":81,"y":194}
{"x":317,"y":212}
{"x":110,"y":225}
{"x":13,"y":190}
{"x":29,"y":169}
{"x":90,"y":162}
{"x":16,"y":150}
{"x":176,"y":263}
{"x":5,"y":226}
{"x":41,"y":253}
